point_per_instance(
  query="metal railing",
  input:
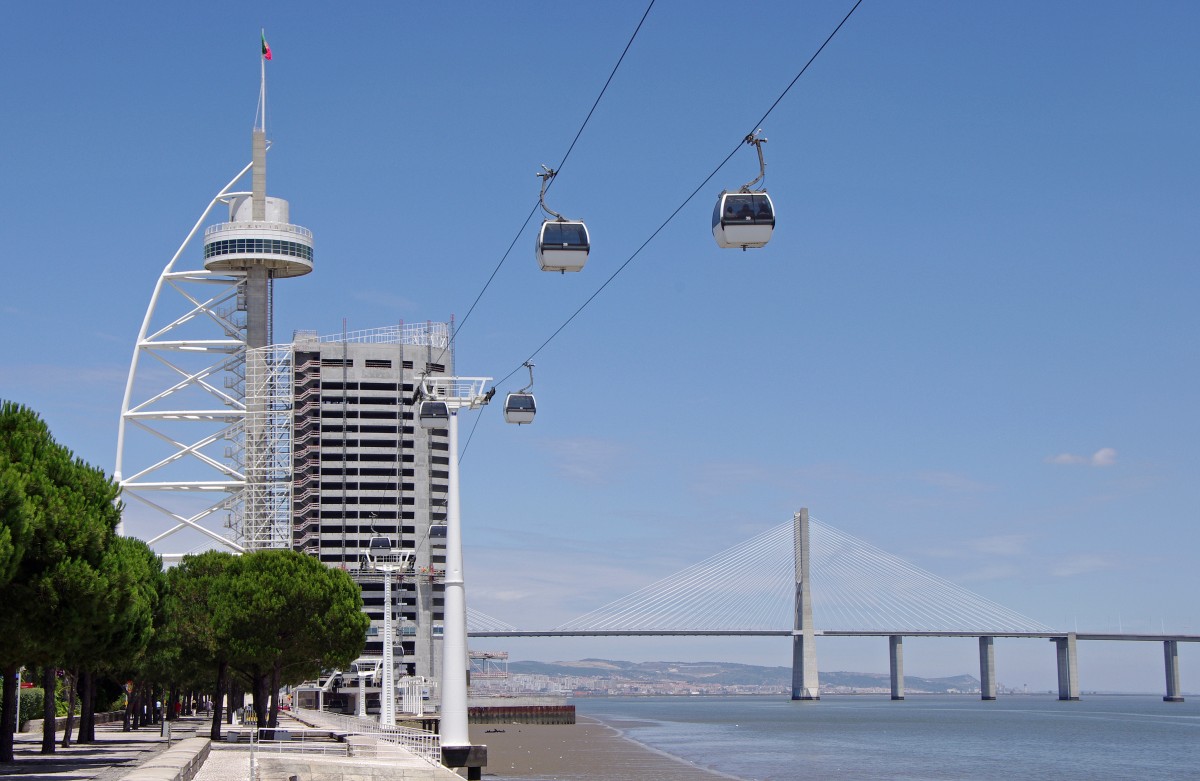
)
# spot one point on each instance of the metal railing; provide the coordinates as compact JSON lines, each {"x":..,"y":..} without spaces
{"x":421,"y":743}
{"x":332,"y":746}
{"x":420,"y":334}
{"x":284,"y":227}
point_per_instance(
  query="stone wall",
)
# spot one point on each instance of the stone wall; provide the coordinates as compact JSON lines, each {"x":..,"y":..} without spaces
{"x":521,"y":714}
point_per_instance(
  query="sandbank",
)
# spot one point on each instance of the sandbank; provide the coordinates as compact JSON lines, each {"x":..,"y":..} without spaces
{"x":587,"y":751}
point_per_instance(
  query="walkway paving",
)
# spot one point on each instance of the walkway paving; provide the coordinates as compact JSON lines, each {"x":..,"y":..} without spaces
{"x":113,"y":754}
{"x":116,"y":753}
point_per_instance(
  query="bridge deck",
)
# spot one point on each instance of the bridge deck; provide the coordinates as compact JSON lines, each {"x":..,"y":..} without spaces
{"x":1181,"y":638}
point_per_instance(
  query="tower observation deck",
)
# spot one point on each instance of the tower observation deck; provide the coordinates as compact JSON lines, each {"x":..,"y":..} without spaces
{"x":258,"y":241}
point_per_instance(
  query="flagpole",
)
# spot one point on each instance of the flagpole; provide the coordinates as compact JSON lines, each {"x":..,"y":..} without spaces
{"x":262,"y":87}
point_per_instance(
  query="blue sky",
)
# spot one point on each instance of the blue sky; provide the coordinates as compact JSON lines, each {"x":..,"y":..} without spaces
{"x":972,"y":340}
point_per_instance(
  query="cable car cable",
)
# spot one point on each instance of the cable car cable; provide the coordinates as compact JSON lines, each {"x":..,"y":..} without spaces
{"x":687,"y":200}
{"x":558,"y":168}
{"x":820,"y":49}
{"x":729,"y":157}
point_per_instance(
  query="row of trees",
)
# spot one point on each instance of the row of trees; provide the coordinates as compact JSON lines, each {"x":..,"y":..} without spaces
{"x":74,"y":594}
{"x":81,"y":599}
{"x":256,"y":623}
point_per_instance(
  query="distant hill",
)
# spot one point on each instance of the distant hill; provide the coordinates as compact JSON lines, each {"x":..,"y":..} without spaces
{"x":730,"y":674}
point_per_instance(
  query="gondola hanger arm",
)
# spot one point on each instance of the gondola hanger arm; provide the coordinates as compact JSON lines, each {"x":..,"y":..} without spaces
{"x":754,"y":139}
{"x":546,"y":176}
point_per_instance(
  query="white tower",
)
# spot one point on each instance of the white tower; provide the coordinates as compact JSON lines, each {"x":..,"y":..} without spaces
{"x":199,"y":444}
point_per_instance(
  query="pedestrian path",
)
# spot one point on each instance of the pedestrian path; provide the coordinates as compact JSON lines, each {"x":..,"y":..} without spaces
{"x":114,"y":753}
{"x":319,"y":753}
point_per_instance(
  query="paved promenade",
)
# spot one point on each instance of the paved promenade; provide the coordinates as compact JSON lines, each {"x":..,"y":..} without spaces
{"x":113,"y":754}
{"x":116,"y":753}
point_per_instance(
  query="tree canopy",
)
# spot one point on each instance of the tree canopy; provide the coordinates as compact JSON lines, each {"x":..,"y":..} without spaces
{"x":79,"y":597}
{"x":73,"y":591}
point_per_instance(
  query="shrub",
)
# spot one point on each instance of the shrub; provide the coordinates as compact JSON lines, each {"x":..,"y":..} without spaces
{"x":31,"y":705}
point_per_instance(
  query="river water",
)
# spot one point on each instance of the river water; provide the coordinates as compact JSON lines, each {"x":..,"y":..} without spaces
{"x":923,"y":738}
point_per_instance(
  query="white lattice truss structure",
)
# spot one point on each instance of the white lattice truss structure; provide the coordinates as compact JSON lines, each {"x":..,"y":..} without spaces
{"x":187,"y":410}
{"x":204,"y":442}
{"x":855,"y":586}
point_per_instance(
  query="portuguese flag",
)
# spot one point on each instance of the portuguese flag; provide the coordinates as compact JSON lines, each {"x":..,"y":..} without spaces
{"x":266,"y":49}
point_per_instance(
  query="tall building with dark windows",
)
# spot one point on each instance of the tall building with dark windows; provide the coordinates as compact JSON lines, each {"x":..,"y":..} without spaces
{"x":367,"y":478}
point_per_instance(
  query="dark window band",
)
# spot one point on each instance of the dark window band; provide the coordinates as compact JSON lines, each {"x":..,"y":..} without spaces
{"x":258,"y":246}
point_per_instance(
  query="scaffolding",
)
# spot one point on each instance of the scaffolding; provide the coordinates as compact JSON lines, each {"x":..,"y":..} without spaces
{"x":266,"y":513}
{"x":489,"y":665}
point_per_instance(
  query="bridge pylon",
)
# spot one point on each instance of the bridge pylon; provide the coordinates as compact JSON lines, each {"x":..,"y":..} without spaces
{"x":804,"y":649}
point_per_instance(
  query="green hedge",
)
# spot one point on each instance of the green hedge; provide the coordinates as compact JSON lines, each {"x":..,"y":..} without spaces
{"x":31,"y":705}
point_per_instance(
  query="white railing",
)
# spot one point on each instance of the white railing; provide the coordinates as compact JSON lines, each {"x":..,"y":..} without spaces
{"x":420,"y":334}
{"x":334,"y":746}
{"x":274,"y":226}
{"x":419,"y":742}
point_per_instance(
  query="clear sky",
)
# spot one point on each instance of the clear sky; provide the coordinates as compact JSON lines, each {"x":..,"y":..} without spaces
{"x":972,"y":340}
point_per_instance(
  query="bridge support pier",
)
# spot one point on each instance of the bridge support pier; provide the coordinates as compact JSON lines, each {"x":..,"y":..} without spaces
{"x":804,"y":645}
{"x":987,"y":668}
{"x":896,"y":658}
{"x":1068,"y":667}
{"x":1171,"y":653}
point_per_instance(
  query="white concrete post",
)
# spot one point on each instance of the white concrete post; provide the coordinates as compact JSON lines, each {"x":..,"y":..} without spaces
{"x":453,"y":727}
{"x":387,"y":679}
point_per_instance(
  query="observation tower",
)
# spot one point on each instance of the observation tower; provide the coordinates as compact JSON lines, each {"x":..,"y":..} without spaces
{"x":200,"y":445}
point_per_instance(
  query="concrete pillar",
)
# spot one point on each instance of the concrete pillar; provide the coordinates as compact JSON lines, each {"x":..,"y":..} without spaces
{"x":987,"y":668}
{"x":804,"y":649}
{"x":258,"y":308}
{"x":1171,"y":653}
{"x":1068,"y":667}
{"x":258,"y":176}
{"x":896,"y":658}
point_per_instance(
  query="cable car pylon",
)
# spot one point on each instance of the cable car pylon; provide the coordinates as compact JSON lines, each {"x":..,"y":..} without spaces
{"x":745,"y":218}
{"x":562,"y":244}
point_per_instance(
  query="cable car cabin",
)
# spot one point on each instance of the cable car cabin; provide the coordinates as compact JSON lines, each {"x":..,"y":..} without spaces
{"x":743,"y":220}
{"x":519,"y":408}
{"x":433,"y":414}
{"x":379,"y":545}
{"x":562,"y":245}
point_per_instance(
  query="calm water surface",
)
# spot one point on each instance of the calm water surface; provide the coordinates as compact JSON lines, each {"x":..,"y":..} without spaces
{"x":922,"y":738}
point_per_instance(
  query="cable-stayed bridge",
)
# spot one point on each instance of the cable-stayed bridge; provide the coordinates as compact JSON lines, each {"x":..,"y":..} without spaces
{"x":805,"y":578}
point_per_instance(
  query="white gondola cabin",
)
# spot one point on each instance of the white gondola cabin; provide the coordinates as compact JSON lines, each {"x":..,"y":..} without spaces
{"x":562,"y":245}
{"x":743,"y":219}
{"x":433,"y":414}
{"x":519,"y":408}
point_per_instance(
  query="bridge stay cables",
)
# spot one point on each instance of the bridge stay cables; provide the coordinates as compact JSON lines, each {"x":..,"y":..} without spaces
{"x":855,"y":586}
